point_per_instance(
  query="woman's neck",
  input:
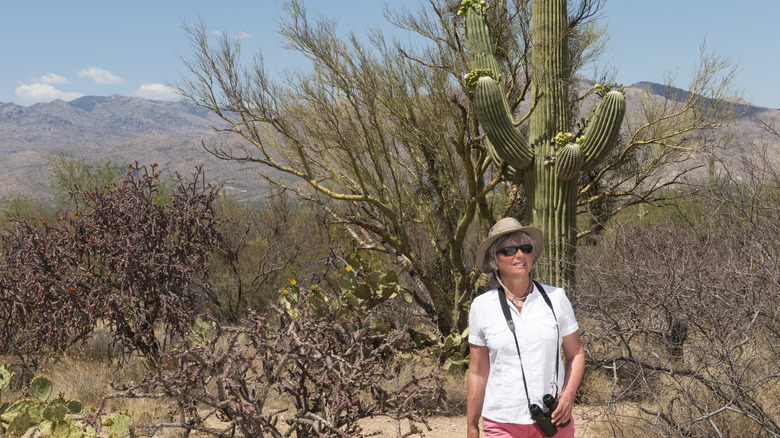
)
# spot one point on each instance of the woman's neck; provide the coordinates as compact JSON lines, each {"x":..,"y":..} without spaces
{"x":519,"y":287}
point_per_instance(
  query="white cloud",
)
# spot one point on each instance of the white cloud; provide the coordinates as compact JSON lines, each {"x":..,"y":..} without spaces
{"x":100,"y":76}
{"x":241,"y":35}
{"x":156,"y":92}
{"x":34,"y":93}
{"x":51,"y":78}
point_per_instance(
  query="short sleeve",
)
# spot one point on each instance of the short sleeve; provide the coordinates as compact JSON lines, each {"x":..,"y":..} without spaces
{"x":476,"y":331}
{"x":566,"y":319}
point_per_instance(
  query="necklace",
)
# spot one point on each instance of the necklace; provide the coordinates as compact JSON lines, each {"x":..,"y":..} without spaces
{"x":518,"y":301}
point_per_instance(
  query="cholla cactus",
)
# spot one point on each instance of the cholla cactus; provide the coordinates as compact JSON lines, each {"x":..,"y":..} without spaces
{"x":550,"y":159}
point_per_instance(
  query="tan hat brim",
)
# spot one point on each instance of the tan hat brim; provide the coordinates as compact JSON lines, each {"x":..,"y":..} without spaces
{"x":537,"y":236}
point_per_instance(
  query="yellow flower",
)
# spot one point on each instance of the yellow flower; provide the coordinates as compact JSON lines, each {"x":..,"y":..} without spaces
{"x":349,"y":268}
{"x":293,"y":282}
{"x":314,"y":287}
{"x":285,"y":292}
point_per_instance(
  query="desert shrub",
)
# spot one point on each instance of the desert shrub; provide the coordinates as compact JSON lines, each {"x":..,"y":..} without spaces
{"x":680,"y":322}
{"x":65,"y":170}
{"x":117,"y":257}
{"x":330,"y":367}
{"x":262,"y":247}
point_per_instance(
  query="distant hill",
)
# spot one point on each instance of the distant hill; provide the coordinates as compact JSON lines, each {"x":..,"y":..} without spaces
{"x":122,"y":129}
{"x":127,"y":129}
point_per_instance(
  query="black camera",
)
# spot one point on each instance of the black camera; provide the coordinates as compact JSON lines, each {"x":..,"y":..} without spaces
{"x":544,"y":418}
{"x":552,"y":404}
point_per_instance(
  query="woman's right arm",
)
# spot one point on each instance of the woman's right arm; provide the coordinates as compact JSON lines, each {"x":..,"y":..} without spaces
{"x":479,"y":369}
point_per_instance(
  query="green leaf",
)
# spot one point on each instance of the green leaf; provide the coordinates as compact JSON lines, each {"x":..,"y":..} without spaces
{"x":121,"y":426}
{"x":363,"y":292}
{"x":354,"y":260}
{"x":74,"y":407}
{"x":46,"y":428}
{"x":390,"y":276}
{"x":388,"y":292}
{"x":19,"y":425}
{"x":55,"y":412}
{"x":374,"y":278}
{"x":24,"y":406}
{"x":41,"y":388}
{"x":317,"y":306}
{"x":60,"y":400}
{"x":456,"y":339}
{"x":59,"y":429}
{"x":5,"y":377}
{"x":351,"y":299}
{"x":381,"y":325}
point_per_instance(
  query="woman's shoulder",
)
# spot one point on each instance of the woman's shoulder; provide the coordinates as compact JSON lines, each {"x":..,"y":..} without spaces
{"x":485,"y":297}
{"x":554,"y":292}
{"x":549,"y":290}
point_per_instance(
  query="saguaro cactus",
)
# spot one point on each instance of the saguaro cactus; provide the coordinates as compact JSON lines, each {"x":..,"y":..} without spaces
{"x":550,"y":160}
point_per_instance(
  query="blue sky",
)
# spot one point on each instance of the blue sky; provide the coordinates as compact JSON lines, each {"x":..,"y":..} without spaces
{"x":67,"y":49}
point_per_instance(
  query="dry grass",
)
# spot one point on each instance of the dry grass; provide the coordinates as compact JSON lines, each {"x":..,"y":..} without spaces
{"x":87,"y":380}
{"x":86,"y":373}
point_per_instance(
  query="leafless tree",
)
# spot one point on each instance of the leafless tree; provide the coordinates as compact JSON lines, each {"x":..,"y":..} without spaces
{"x":681,"y":319}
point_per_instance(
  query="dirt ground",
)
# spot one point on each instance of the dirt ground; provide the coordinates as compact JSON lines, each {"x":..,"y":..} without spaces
{"x":442,"y":427}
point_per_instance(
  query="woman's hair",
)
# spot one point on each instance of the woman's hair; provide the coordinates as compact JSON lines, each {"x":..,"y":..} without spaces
{"x":517,"y":236}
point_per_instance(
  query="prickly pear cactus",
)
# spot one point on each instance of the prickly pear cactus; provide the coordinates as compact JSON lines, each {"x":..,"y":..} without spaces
{"x":5,"y":377}
{"x":550,"y":160}
{"x":51,"y":417}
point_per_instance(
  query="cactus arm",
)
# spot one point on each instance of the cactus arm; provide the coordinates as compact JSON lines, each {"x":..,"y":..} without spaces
{"x":568,"y":162}
{"x":505,"y":142}
{"x":601,"y":134}
{"x":478,"y":42}
{"x":509,"y":172}
{"x":508,"y":144}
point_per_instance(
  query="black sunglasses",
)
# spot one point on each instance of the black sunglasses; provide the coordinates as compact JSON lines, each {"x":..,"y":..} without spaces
{"x":512,"y":250}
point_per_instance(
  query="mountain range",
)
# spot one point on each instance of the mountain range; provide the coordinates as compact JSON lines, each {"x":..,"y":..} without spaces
{"x":172,"y":134}
{"x":116,"y":128}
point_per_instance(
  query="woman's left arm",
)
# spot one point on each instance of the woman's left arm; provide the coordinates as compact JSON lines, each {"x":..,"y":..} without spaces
{"x":575,"y":368}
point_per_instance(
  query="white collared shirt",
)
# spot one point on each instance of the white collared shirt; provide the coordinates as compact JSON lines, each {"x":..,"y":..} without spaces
{"x":505,"y":397}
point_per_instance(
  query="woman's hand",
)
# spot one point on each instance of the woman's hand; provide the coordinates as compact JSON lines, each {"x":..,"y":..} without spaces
{"x":563,"y":412}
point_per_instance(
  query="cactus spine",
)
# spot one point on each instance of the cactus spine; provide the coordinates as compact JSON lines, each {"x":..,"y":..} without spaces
{"x":549,"y":169}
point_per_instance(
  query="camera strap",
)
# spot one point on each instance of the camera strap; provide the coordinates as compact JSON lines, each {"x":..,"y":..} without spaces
{"x":508,"y":316}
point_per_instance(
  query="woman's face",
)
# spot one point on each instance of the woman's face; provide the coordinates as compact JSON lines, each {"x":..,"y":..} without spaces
{"x":517,"y":265}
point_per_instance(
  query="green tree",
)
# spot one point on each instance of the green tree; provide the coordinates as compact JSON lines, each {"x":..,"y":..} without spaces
{"x":259,"y":250}
{"x":385,"y":137}
{"x":65,"y":170}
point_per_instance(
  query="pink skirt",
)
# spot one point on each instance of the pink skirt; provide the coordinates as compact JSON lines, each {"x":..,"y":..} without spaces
{"x":494,"y":429}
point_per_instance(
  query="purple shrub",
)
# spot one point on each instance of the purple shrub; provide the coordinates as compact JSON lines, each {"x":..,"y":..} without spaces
{"x":124,"y":255}
{"x":330,"y":371}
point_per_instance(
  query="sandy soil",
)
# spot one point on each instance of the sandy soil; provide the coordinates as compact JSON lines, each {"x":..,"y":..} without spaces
{"x":442,"y":427}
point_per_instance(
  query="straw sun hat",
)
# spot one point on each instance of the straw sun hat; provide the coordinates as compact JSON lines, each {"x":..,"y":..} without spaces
{"x":508,"y":225}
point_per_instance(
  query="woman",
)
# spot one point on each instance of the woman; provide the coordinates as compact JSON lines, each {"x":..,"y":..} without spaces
{"x":506,"y":378}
